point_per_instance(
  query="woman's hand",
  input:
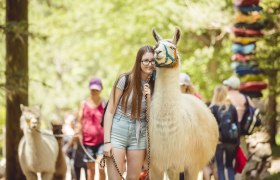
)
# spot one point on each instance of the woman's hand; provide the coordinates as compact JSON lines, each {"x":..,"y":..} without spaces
{"x":78,"y":136}
{"x":107,"y":149}
{"x":147,"y":90}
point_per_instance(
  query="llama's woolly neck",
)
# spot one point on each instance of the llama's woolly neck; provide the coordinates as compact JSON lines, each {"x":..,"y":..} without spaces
{"x":34,"y":145}
{"x":33,"y":138}
{"x":167,"y":81}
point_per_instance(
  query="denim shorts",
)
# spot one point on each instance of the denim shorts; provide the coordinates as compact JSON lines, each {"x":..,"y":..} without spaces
{"x":123,"y":133}
{"x":94,"y":151}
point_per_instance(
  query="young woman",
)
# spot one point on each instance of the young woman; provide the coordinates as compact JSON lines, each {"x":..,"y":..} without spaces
{"x":226,"y":116}
{"x":125,"y":117}
{"x":90,"y":115}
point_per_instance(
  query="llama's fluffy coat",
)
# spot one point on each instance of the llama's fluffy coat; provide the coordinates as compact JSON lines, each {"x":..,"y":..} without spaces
{"x":37,"y":152}
{"x":183,"y":131}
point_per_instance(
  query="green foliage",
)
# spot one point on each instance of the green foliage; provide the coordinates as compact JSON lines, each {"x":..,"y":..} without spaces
{"x":2,"y":62}
{"x":2,"y":116}
{"x":268,"y":52}
{"x":276,"y":150}
{"x":277,"y":140}
{"x":73,"y":40}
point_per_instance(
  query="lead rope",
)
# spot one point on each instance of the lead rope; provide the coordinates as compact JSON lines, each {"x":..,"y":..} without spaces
{"x":148,"y":132}
{"x":103,"y":160}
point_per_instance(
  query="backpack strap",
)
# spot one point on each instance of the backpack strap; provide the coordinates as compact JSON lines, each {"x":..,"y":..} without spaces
{"x":105,"y":104}
{"x":247,"y":101}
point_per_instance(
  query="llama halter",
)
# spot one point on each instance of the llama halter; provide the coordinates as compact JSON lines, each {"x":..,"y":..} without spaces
{"x":169,"y":59}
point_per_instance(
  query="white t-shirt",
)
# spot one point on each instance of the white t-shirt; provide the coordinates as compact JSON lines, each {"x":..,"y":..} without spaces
{"x":121,"y":85}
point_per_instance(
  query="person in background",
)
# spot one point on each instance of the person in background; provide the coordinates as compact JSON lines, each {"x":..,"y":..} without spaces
{"x":78,"y":155}
{"x":125,"y":117}
{"x":187,"y":86}
{"x":68,"y":130}
{"x":226,"y":116}
{"x":238,"y":100}
{"x":73,"y":147}
{"x":90,"y":129}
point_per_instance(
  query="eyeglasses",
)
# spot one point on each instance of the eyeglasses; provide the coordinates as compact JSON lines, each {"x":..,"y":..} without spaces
{"x":146,"y":62}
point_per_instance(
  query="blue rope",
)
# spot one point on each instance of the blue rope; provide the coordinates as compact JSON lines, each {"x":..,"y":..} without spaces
{"x":166,"y":58}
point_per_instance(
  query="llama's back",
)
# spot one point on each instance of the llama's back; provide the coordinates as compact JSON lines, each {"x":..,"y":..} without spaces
{"x":202,"y":129}
{"x":189,"y":136}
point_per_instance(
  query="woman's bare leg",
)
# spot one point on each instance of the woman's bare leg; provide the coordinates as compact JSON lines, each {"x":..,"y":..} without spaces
{"x":135,"y":160}
{"x":119,"y":155}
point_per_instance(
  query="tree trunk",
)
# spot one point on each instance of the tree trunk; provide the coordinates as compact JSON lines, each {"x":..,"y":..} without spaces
{"x":16,"y":80}
{"x":271,"y":113}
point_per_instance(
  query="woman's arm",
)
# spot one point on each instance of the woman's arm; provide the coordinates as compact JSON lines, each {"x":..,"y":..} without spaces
{"x":80,"y":119}
{"x":213,"y":109}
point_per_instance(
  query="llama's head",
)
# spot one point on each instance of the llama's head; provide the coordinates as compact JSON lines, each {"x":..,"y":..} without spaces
{"x":166,"y":54}
{"x":30,"y":117}
{"x":56,"y":122}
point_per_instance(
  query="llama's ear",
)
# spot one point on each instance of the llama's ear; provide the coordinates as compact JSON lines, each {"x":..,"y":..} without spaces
{"x":156,"y":36}
{"x":22,"y":107}
{"x":176,"y":36}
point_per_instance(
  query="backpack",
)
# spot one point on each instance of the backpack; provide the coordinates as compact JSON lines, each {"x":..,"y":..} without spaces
{"x":229,"y":132}
{"x":250,"y":119}
{"x":105,"y":107}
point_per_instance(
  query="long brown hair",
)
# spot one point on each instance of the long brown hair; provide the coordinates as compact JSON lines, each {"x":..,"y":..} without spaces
{"x":133,"y":84}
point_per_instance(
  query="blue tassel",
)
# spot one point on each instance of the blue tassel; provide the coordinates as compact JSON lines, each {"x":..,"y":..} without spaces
{"x":154,"y":74}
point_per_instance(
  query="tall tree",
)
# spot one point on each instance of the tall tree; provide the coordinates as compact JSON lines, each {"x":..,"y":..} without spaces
{"x":16,"y":80}
{"x":268,"y":55}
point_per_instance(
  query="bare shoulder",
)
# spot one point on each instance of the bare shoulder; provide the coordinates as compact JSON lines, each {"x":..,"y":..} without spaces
{"x":83,"y":102}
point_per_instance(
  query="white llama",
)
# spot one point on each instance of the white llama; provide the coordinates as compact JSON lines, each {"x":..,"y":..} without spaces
{"x":183,"y":131}
{"x":37,"y":152}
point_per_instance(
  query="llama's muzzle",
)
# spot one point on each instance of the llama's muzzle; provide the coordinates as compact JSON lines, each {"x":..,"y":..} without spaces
{"x":33,"y":123}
